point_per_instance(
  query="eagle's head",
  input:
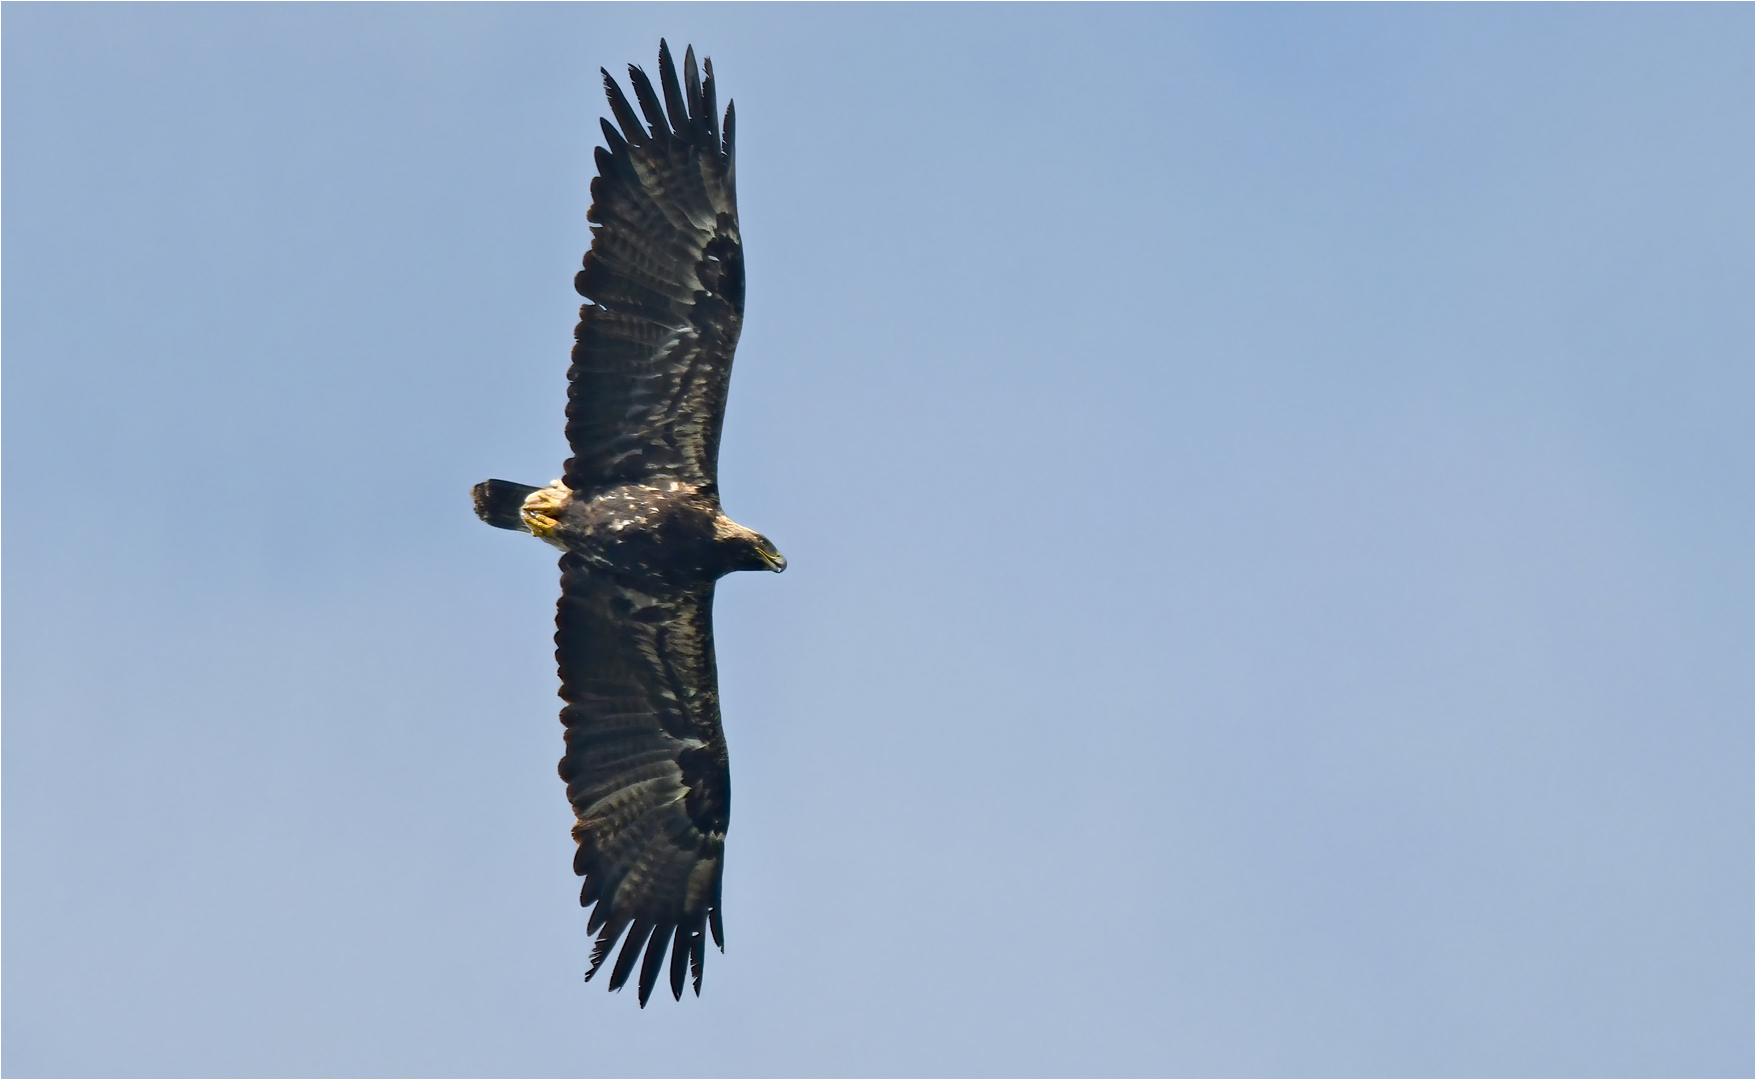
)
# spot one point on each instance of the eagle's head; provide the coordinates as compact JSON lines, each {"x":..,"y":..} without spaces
{"x":746,"y":549}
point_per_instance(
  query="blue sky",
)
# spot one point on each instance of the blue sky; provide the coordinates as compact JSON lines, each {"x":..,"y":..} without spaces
{"x":1267,"y":489}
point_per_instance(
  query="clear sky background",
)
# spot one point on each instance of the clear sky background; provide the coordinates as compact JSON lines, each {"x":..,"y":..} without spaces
{"x":1268,"y":494}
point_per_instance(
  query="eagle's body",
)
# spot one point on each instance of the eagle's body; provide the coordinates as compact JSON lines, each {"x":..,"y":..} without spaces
{"x":637,"y":518}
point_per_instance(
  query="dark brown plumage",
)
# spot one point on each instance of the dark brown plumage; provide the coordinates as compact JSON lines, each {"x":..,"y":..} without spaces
{"x":636,"y":515}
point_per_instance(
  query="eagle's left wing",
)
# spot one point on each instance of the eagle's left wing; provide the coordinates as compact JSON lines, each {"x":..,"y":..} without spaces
{"x":645,"y":768}
{"x":646,"y":394}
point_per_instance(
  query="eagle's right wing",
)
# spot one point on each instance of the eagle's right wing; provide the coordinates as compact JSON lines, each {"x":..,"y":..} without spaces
{"x":647,"y":391}
{"x":645,"y":768}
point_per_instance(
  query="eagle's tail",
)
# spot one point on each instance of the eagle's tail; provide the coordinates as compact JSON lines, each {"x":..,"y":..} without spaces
{"x":498,"y":503}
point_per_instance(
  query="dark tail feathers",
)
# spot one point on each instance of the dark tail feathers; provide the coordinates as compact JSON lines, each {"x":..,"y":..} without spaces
{"x":498,"y":502}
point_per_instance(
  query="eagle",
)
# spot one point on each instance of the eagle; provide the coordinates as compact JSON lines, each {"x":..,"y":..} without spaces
{"x":636,"y":515}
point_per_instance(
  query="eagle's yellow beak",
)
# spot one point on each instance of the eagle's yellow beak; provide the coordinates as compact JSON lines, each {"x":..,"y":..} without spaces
{"x":775,"y":560}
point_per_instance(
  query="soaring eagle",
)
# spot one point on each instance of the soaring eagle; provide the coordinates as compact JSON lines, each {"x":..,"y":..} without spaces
{"x":636,"y":515}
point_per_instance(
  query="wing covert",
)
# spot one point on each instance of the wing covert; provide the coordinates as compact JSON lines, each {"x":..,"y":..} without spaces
{"x":652,"y":358}
{"x":645,"y":768}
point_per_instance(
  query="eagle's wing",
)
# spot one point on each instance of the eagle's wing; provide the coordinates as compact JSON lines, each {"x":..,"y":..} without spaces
{"x":647,"y":390}
{"x":645,"y":767}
